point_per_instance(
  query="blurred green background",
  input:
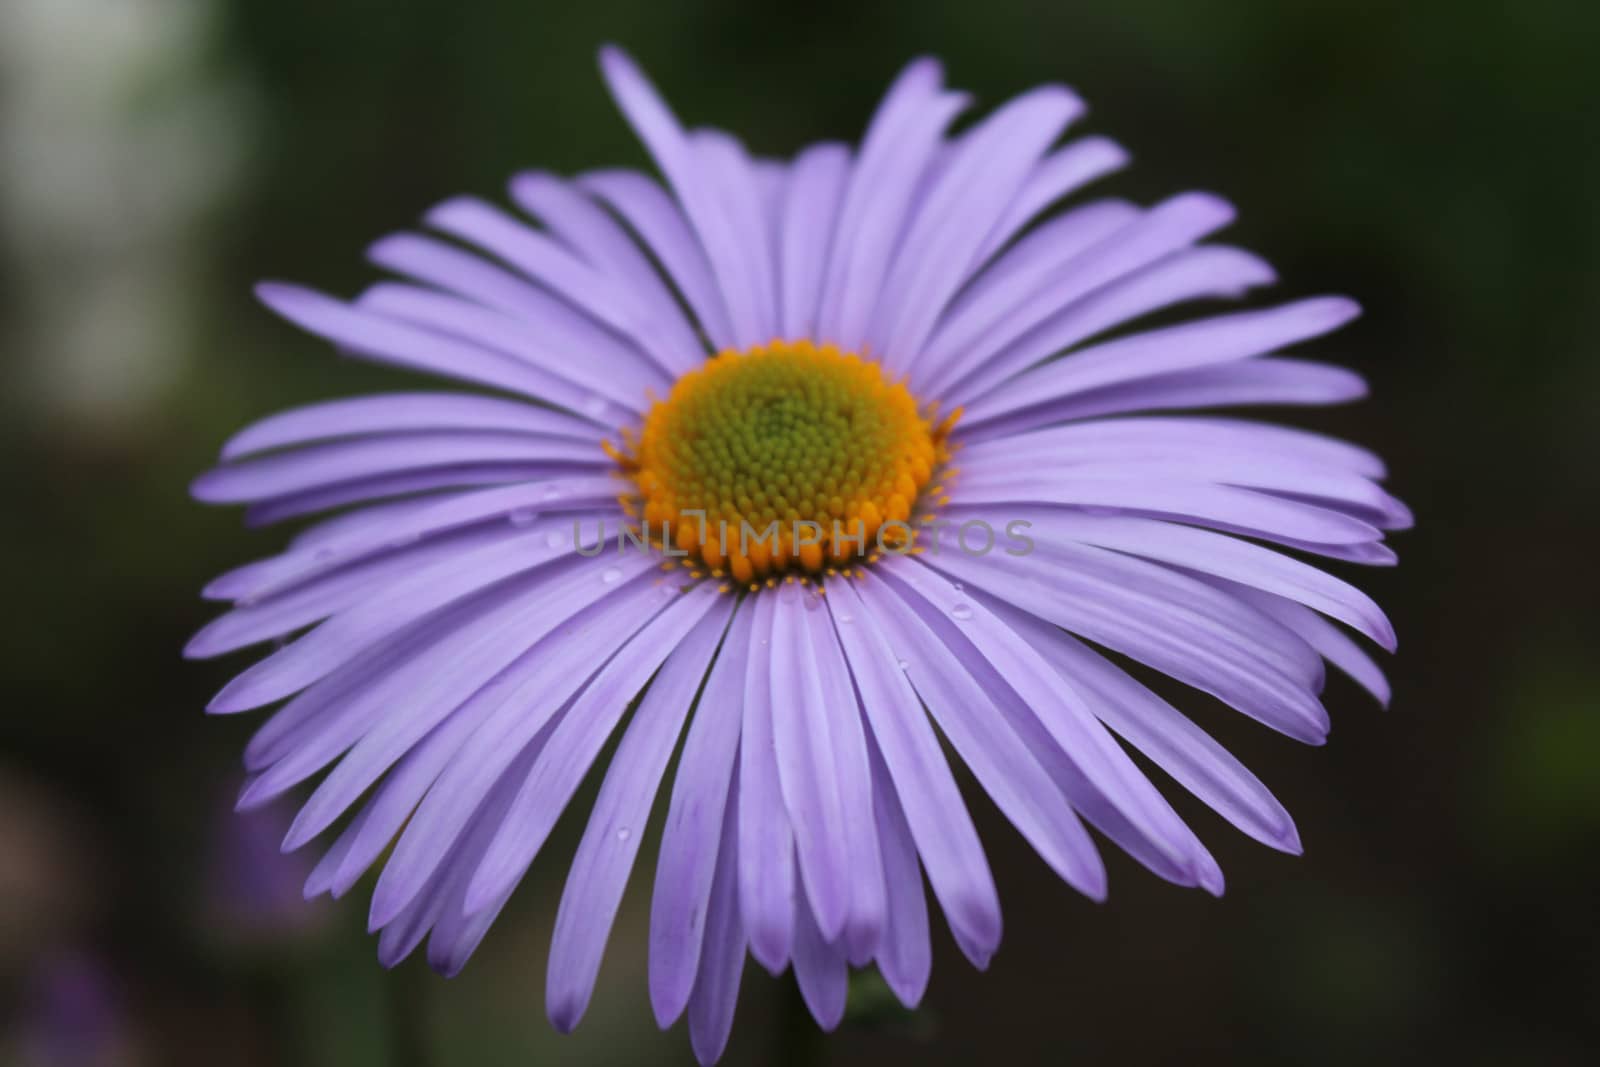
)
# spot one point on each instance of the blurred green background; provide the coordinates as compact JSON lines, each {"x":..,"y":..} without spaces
{"x":1439,"y":161}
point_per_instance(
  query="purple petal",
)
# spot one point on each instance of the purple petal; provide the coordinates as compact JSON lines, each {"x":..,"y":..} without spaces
{"x":1055,"y":278}
{"x":582,"y":286}
{"x":986,"y":169}
{"x":808,"y":758}
{"x":727,"y":170}
{"x":525,"y":712}
{"x":315,"y":466}
{"x":810,"y":213}
{"x":598,"y":238}
{"x":938,"y":818}
{"x":906,"y":955}
{"x":492,"y":650}
{"x":1224,"y":557}
{"x":1002,"y":764}
{"x":716,"y":987}
{"x":347,"y":634}
{"x":819,"y":968}
{"x":1059,"y":174}
{"x":1201,"y":503}
{"x":1164,"y":734}
{"x":1212,"y":272}
{"x":895,"y":155}
{"x":611,"y":841}
{"x":1069,"y":728}
{"x":392,"y":487}
{"x":386,"y":340}
{"x":1219,"y":339}
{"x":579,"y":511}
{"x":1087,"y":596}
{"x":766,"y":839}
{"x":690,"y":856}
{"x":1328,"y":640}
{"x":1260,"y":381}
{"x":659,"y":131}
{"x":611,"y":378}
{"x":584,"y":730}
{"x":401,"y":413}
{"x":647,"y":208}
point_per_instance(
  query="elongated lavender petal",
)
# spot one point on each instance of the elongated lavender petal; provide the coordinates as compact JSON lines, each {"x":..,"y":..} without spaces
{"x":727,"y":169}
{"x":906,"y":955}
{"x":1163,"y":734}
{"x":1210,"y":272}
{"x":1220,"y":339}
{"x":550,"y":337}
{"x":576,"y":282}
{"x":716,"y":987}
{"x":523,"y":713}
{"x":577,"y":740}
{"x":400,"y":413}
{"x":809,"y":215}
{"x":653,"y":121}
{"x":616,"y":825}
{"x":387,"y":340}
{"x":1064,"y":714}
{"x":598,"y":238}
{"x":819,"y":967}
{"x":766,"y":837}
{"x":1260,"y":381}
{"x":647,"y":208}
{"x":1029,"y":296}
{"x":693,"y":843}
{"x":986,"y":169}
{"x":1007,"y":771}
{"x":1061,"y":173}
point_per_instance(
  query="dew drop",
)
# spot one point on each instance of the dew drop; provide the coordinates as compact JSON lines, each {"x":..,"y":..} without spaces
{"x":520,"y":517}
{"x":845,"y":618}
{"x":553,"y":539}
{"x":594,"y":404}
{"x":623,"y":833}
{"x":962,"y":612}
{"x":611,"y":575}
{"x":905,"y":665}
{"x":958,"y":587}
{"x":549,"y":492}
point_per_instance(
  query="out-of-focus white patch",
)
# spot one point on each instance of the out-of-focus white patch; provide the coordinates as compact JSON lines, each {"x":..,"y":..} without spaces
{"x":116,"y":142}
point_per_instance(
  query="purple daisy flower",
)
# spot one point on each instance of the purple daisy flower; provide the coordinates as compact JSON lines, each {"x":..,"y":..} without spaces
{"x":805,"y":462}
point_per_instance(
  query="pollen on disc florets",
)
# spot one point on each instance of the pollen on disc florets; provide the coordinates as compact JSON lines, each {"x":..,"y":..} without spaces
{"x":789,"y":455}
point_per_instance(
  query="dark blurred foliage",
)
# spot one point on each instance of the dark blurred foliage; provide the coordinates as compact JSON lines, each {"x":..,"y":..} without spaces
{"x":1436,"y":160}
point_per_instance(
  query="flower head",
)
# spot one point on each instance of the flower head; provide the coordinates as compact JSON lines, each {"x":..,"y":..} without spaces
{"x":803,"y":462}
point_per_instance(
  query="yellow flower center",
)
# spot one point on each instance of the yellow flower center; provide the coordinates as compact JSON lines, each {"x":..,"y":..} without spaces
{"x":790,"y":455}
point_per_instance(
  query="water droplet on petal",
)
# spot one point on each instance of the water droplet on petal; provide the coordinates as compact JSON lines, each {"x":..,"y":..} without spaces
{"x":623,"y":833}
{"x":905,"y":665}
{"x":611,"y":575}
{"x":553,"y":539}
{"x":958,"y":587}
{"x":962,"y":612}
{"x":522,"y":517}
{"x":845,"y":618}
{"x":549,"y":492}
{"x":594,"y":404}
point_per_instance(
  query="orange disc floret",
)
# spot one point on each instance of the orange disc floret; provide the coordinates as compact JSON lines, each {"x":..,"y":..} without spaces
{"x":789,"y":455}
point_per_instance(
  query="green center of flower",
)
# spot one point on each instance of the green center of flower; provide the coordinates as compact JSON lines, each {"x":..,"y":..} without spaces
{"x":810,"y":440}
